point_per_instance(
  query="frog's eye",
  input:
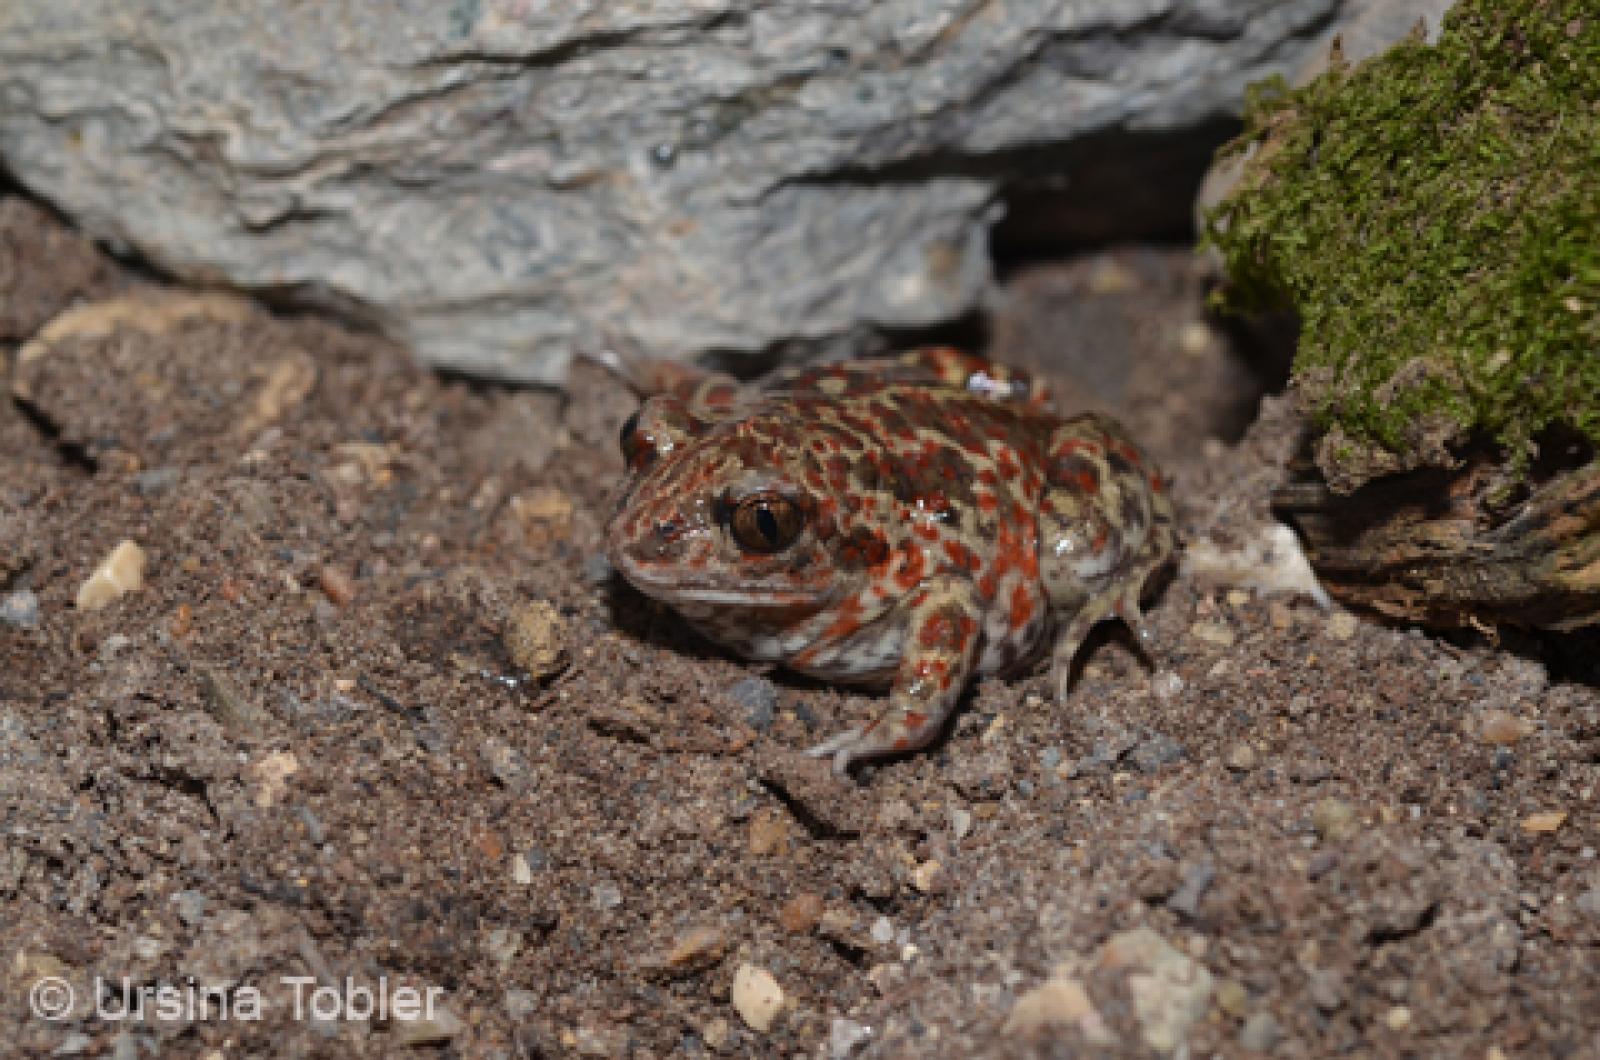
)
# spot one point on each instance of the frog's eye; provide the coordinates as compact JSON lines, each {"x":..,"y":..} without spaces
{"x":766,"y":522}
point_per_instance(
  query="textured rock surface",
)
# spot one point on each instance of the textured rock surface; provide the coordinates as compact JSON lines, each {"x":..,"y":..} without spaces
{"x":495,"y":180}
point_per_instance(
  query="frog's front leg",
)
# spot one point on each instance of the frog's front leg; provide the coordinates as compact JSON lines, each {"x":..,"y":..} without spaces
{"x":942,"y":640}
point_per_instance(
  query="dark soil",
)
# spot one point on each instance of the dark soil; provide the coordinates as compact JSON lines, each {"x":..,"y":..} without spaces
{"x":303,"y":747}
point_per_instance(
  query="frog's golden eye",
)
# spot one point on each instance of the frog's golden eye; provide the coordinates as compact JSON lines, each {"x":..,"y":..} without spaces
{"x":766,"y":522}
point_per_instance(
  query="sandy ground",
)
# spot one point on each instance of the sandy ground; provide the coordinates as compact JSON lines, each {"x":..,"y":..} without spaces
{"x":379,"y":713}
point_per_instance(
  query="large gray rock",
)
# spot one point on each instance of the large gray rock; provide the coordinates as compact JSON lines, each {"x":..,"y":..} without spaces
{"x":496,"y":180}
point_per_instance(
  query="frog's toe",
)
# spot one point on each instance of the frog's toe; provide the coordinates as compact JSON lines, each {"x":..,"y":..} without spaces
{"x":1061,"y":677}
{"x":843,"y":748}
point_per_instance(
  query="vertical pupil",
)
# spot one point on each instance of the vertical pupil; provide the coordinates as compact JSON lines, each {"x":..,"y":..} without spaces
{"x":767,"y":523}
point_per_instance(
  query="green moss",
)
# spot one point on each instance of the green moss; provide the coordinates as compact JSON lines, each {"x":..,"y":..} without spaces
{"x":1434,"y":217}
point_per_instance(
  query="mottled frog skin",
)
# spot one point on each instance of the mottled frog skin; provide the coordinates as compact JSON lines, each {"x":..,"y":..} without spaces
{"x":909,"y":523}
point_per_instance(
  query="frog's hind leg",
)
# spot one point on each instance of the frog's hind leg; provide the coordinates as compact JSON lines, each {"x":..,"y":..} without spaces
{"x":1125,"y":608}
{"x":1105,"y":528}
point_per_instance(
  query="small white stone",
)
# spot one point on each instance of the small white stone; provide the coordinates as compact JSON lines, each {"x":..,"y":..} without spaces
{"x":272,"y":772}
{"x":757,"y":997}
{"x":1166,"y":685}
{"x":120,"y":572}
{"x":1272,"y":562}
{"x":1213,"y":633}
{"x":883,"y":931}
{"x":20,"y":609}
{"x":1057,"y":1003}
{"x":844,"y":1036}
{"x":606,"y":895}
{"x":443,"y":1026}
{"x":960,"y":822}
{"x":520,"y":872}
{"x":1170,"y":990}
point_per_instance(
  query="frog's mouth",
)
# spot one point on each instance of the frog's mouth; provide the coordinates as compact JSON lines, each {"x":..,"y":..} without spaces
{"x":685,"y":592}
{"x":683,"y":587}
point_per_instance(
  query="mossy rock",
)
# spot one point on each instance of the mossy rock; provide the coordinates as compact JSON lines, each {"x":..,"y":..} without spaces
{"x":1433,"y":215}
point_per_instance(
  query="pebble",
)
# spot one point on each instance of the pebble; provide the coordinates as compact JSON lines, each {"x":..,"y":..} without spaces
{"x":337,"y":585}
{"x":20,"y":609}
{"x":844,"y":1036}
{"x":240,"y":715}
{"x":191,"y":907}
{"x":801,"y":913}
{"x":520,"y":1004}
{"x":1342,"y":625}
{"x":122,"y":571}
{"x":1326,"y":988}
{"x":1213,"y":633}
{"x":1156,"y":751}
{"x":757,"y":697}
{"x":769,"y":832}
{"x":1588,"y":903}
{"x":960,"y":822}
{"x":441,"y":1028}
{"x":928,"y":876}
{"x":716,"y":1034}
{"x":155,"y":481}
{"x":1057,"y":1003}
{"x":882,"y":931}
{"x":502,"y":945}
{"x":521,"y":873}
{"x":1322,"y":863}
{"x":699,"y":947}
{"x":1260,"y":1033}
{"x":1171,"y":991}
{"x":1500,"y":729}
{"x":1232,"y":997}
{"x":1166,"y":685}
{"x":289,"y":382}
{"x":1241,"y":757}
{"x":73,"y":1044}
{"x":1540,"y":823}
{"x":605,"y":895}
{"x":535,"y":638}
{"x":757,"y":997}
{"x":1185,"y":901}
{"x":1334,"y":820}
{"x":544,"y":513}
{"x":1398,"y":1018}
{"x":272,"y":772}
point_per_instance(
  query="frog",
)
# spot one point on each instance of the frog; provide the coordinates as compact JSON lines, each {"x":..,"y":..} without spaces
{"x":909,"y":523}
